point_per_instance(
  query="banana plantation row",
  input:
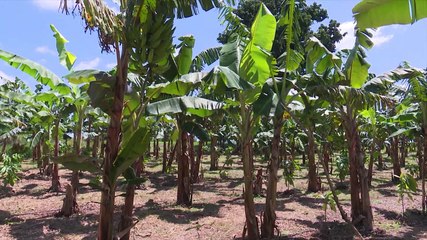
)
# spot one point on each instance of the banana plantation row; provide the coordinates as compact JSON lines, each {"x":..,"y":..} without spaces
{"x":273,"y":91}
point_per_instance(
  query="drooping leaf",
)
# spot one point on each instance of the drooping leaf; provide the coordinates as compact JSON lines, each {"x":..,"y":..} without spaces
{"x":36,"y":139}
{"x":79,"y":163}
{"x":179,"y":87}
{"x":66,"y":58}
{"x":186,"y":104}
{"x":82,"y":76}
{"x":131,"y":150}
{"x":101,"y":92}
{"x":206,"y":57}
{"x":377,"y":13}
{"x":35,"y":70}
{"x":11,"y":133}
{"x":196,"y":129}
{"x":231,"y":54}
{"x":356,"y":68}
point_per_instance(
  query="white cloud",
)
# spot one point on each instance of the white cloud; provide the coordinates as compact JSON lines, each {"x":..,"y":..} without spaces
{"x":45,"y":50}
{"x":91,"y":64}
{"x":4,"y":77}
{"x":111,"y":65}
{"x":47,"y":4}
{"x":348,"y":40}
{"x":379,"y":37}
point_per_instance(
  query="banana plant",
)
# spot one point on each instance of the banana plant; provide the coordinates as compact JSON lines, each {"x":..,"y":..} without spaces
{"x":414,"y":82}
{"x":345,"y":90}
{"x":366,"y":12}
{"x":179,"y":102}
{"x":245,"y":65}
{"x":143,"y":31}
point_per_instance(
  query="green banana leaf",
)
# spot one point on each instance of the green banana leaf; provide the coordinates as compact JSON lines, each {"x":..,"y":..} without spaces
{"x":79,"y":163}
{"x":198,"y":106}
{"x":377,"y":13}
{"x":130,"y":151}
{"x":82,"y":76}
{"x":35,"y":70}
{"x":197,"y":130}
{"x":66,"y":58}
{"x":257,"y":63}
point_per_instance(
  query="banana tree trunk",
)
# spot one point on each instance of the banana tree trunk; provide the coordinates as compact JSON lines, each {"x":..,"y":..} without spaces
{"x":156,"y":149}
{"x":313,"y":184}
{"x":77,"y":149}
{"x":402,"y":159}
{"x":380,"y":156}
{"x":39,"y":155}
{"x":95,"y":146}
{"x":165,"y":156}
{"x":336,"y":200}
{"x":327,"y":158}
{"x":196,"y":169}
{"x":371,"y":162}
{"x":127,"y":210}
{"x":361,"y":210}
{"x":269,"y":217}
{"x":172,"y":156}
{"x":420,"y":156}
{"x":89,"y":129}
{"x":214,"y":154}
{"x":46,"y":153}
{"x":184,"y":193}
{"x":191,"y":156}
{"x":246,"y":141}
{"x":394,"y":152}
{"x":105,"y":228}
{"x":56,"y":186}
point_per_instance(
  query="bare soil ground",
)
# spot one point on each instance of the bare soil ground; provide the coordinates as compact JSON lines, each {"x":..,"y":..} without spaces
{"x":27,"y":210}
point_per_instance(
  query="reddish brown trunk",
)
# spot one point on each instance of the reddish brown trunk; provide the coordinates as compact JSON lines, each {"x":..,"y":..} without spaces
{"x":371,"y":163}
{"x":195,"y":170}
{"x":251,"y":219}
{"x":95,"y":146}
{"x":269,"y":216}
{"x":69,"y":206}
{"x":304,"y":158}
{"x":172,"y":156}
{"x":39,"y":156}
{"x":184,"y":193}
{"x":420,"y":154}
{"x":34,"y":150}
{"x":313,"y":183}
{"x":103,"y":146}
{"x":89,"y":129}
{"x":105,"y":228}
{"x":56,"y":185}
{"x":380,"y":156}
{"x":394,"y":152}
{"x":165,"y":156}
{"x":361,"y":211}
{"x":327,"y":158}
{"x":127,"y":209}
{"x":214,"y":154}
{"x":402,"y":159}
{"x":157,"y":149}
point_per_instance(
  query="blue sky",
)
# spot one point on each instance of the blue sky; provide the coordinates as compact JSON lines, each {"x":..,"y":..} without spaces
{"x":25,"y":31}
